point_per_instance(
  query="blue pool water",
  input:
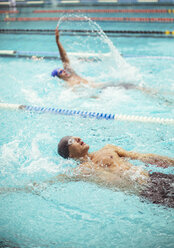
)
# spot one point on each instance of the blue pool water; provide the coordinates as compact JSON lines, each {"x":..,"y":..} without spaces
{"x":79,"y":214}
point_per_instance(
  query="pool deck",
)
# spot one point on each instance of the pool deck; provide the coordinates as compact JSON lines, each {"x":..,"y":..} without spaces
{"x":64,"y":3}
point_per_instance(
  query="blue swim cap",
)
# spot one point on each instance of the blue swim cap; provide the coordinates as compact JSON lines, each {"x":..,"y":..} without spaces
{"x":55,"y":72}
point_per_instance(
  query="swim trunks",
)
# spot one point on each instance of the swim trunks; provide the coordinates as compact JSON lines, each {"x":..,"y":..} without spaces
{"x":160,"y":189}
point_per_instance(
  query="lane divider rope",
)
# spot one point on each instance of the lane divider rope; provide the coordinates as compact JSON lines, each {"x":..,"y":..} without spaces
{"x":52,"y":31}
{"x":170,"y":11}
{"x":86,"y":114}
{"x":112,"y":19}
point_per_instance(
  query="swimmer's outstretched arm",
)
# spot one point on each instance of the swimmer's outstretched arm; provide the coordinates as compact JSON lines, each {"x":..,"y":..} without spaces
{"x":149,"y":158}
{"x":35,"y":188}
{"x":63,"y":54}
{"x":30,"y":188}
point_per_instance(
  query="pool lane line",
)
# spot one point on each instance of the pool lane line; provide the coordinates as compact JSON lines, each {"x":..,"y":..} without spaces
{"x":52,"y":31}
{"x":86,"y":114}
{"x":169,"y":11}
{"x":109,"y":33}
{"x":108,"y":19}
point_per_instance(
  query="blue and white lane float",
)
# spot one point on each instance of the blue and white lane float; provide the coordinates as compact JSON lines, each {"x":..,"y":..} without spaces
{"x":86,"y":114}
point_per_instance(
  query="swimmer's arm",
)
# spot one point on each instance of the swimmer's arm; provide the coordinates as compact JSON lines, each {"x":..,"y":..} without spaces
{"x":63,"y":54}
{"x":102,"y":85}
{"x":158,"y":160}
{"x":61,"y":178}
{"x":97,"y":85}
{"x":30,"y":188}
{"x":4,"y":190}
{"x":150,"y":158}
{"x":35,"y":188}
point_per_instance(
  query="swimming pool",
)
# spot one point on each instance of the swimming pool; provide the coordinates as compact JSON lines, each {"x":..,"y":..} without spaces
{"x":79,"y":214}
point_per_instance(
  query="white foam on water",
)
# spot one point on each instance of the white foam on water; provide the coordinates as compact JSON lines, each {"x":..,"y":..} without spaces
{"x":40,"y":164}
{"x":10,"y":152}
{"x":67,"y":95}
{"x":111,"y":67}
{"x":31,"y":96}
{"x":41,"y":159}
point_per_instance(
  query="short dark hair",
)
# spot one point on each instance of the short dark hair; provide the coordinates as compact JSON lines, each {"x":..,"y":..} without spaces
{"x":62,"y":147}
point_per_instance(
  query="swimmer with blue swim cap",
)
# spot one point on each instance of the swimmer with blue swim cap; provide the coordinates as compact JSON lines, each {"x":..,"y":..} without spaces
{"x":72,"y":78}
{"x":66,"y":73}
{"x":59,"y":73}
{"x":55,"y":73}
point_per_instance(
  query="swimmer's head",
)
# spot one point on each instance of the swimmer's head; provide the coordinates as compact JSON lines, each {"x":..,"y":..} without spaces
{"x":61,"y":73}
{"x":54,"y":73}
{"x":72,"y":147}
{"x":62,"y":148}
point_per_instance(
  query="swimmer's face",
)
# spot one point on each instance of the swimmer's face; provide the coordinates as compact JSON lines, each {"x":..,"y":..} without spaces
{"x":63,"y":74}
{"x":77,"y":148}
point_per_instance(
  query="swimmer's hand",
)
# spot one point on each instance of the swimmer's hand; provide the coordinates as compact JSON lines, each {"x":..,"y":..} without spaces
{"x":57,"y":34}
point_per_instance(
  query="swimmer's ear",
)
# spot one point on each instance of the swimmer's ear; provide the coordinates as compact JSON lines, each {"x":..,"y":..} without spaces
{"x":71,"y":156}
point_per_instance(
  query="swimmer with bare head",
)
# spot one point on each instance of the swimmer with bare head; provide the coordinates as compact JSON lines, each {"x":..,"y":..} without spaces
{"x":110,"y":167}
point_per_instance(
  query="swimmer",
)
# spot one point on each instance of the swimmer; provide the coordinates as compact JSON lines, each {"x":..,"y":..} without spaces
{"x":72,"y":78}
{"x":66,"y":73}
{"x":109,"y":167}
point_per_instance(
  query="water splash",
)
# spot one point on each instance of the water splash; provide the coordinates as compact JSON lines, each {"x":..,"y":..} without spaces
{"x":112,"y":66}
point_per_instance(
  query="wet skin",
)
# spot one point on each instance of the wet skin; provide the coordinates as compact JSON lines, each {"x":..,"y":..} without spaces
{"x":107,"y":167}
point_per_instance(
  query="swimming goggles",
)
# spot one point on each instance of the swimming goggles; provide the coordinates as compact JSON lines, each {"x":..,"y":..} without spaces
{"x":71,"y":141}
{"x":60,"y":72}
